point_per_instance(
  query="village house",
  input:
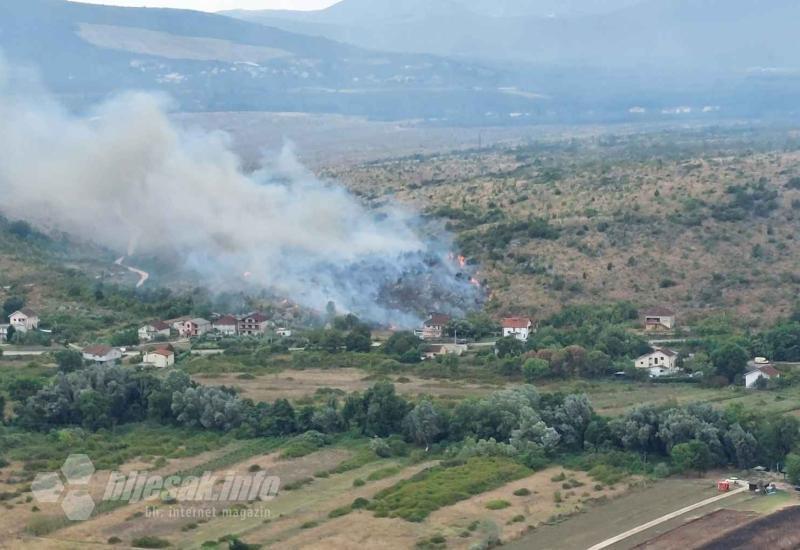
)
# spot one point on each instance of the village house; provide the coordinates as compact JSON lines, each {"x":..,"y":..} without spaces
{"x":195,"y":327}
{"x":433,"y":328}
{"x":660,"y":362}
{"x":102,"y":354}
{"x":253,"y":324}
{"x":758,"y":369}
{"x":659,"y":319}
{"x":24,"y":320}
{"x":227,"y":325}
{"x":518,"y":327}
{"x":4,"y":333}
{"x":284,"y":332}
{"x":153,"y":331}
{"x":160,"y":358}
{"x":435,"y":350}
{"x":177,"y":323}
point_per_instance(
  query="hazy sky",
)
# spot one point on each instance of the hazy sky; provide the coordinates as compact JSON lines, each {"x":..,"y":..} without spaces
{"x":217,"y":5}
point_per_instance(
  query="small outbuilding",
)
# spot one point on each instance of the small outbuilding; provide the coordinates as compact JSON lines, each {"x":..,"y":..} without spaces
{"x":659,"y":319}
{"x":102,"y":354}
{"x":160,"y":358}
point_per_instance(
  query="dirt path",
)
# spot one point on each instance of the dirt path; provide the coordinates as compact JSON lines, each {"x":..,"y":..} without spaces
{"x":666,"y":517}
{"x":143,"y":275}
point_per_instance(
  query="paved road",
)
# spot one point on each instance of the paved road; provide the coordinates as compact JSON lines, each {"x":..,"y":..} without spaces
{"x":23,"y":352}
{"x":644,"y":527}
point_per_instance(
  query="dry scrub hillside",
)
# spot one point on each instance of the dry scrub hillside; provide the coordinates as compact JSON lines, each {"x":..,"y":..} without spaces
{"x":698,"y":220}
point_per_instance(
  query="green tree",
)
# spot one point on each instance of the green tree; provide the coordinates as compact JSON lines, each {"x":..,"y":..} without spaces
{"x":281,"y":419}
{"x":358,"y":341}
{"x":331,"y":341}
{"x":509,"y":347}
{"x":125,"y":338}
{"x":21,"y":389}
{"x":793,"y":468}
{"x":424,"y":424}
{"x":400,"y":343}
{"x":535,"y":369}
{"x":694,"y":455}
{"x":68,"y":360}
{"x":729,"y":360}
{"x":383,"y":410}
{"x":12,"y":304}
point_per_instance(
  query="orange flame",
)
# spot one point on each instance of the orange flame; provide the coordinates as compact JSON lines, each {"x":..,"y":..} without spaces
{"x":462,"y":261}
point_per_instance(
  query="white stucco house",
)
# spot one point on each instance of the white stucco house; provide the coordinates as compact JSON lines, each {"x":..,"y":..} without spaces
{"x":102,"y":354}
{"x":660,"y":362}
{"x":659,"y":319}
{"x":227,"y":325}
{"x":24,"y":320}
{"x":518,"y":327}
{"x":434,"y":351}
{"x":760,"y":368}
{"x":160,"y":358}
{"x":434,"y":326}
{"x":154,"y":330}
{"x":253,"y":324}
{"x":284,"y":332}
{"x":195,"y":327}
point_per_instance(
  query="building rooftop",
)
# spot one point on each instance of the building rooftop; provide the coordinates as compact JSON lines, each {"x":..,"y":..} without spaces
{"x":659,"y":311}
{"x":516,"y":322}
{"x":99,"y":350}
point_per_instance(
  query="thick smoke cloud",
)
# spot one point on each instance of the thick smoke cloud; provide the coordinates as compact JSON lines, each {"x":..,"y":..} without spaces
{"x":124,"y":176}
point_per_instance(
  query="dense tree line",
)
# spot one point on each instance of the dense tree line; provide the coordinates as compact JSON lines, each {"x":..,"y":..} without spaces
{"x":518,"y":422}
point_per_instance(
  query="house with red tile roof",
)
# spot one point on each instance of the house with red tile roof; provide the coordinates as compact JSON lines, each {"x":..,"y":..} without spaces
{"x":434,"y":326}
{"x":518,"y":327}
{"x":101,"y":354}
{"x":154,"y":330}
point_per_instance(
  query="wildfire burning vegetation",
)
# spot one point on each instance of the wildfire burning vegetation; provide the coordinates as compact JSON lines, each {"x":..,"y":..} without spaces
{"x":285,"y":231}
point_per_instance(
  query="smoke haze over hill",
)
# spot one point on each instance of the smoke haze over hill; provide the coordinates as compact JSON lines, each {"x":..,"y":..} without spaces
{"x":125,"y":177}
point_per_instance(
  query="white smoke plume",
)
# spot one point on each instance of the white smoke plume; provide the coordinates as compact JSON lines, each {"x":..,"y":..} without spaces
{"x":125,"y":177}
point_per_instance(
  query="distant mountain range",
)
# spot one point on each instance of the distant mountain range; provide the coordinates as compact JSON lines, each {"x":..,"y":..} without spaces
{"x":444,"y":61}
{"x":212,"y":62}
{"x":698,"y":34}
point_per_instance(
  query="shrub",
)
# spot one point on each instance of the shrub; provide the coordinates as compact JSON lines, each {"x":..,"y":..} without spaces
{"x":497,"y":504}
{"x":293,"y":485}
{"x":609,"y":475}
{"x":358,"y":482}
{"x":114,"y":540}
{"x":359,"y":503}
{"x":522,"y":492}
{"x":150,"y":542}
{"x":383,"y":473}
{"x":560,"y":477}
{"x":661,"y":470}
{"x":338,"y":512}
{"x":305,"y":444}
